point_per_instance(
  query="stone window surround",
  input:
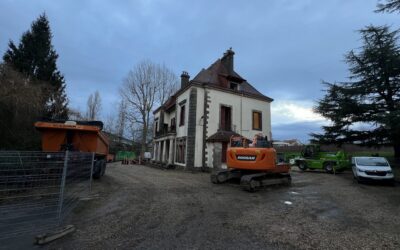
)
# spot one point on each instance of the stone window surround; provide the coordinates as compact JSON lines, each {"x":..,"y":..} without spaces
{"x":182,"y":117}
{"x":219,"y":119}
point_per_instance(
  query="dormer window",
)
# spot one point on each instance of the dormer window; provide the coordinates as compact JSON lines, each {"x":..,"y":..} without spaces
{"x":233,"y":86}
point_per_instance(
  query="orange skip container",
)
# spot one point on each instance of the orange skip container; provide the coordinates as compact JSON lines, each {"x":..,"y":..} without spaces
{"x":83,"y":138}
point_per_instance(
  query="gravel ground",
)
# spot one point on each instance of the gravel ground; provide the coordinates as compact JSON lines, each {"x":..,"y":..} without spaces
{"x":147,"y":208}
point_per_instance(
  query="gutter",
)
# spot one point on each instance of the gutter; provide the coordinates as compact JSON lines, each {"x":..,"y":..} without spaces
{"x":205,"y":121}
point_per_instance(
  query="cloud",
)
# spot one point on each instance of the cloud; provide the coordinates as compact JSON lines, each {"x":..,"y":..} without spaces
{"x":284,"y":48}
{"x":294,"y":119}
{"x":298,"y":130}
{"x":292,"y":111}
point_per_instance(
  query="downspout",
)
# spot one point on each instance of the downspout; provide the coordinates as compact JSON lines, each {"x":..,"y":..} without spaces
{"x":241,"y":114}
{"x":205,"y":120}
{"x":176,"y":131}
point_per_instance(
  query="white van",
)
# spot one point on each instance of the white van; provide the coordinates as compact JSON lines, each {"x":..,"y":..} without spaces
{"x":376,"y":168}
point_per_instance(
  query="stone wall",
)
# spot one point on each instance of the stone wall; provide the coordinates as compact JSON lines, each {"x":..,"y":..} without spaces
{"x":191,"y":132}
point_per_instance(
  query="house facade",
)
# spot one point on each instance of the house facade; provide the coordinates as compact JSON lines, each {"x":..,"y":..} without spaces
{"x":193,"y":127}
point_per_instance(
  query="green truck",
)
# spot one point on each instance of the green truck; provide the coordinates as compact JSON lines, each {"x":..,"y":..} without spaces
{"x":313,"y":158}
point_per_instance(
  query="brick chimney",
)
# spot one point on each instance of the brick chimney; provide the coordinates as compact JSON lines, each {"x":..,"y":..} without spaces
{"x":184,"y":79}
{"x":227,"y":60}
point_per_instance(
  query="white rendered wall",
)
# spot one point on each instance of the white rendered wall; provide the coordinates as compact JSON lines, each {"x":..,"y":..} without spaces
{"x":242,"y":111}
{"x":182,"y":130}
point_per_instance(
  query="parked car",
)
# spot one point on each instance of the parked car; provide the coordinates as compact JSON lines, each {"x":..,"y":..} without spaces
{"x":376,"y":168}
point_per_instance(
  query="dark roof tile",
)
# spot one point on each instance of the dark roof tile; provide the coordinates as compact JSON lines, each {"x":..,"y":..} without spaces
{"x":212,"y":76}
{"x":222,"y":136}
{"x":218,"y":76}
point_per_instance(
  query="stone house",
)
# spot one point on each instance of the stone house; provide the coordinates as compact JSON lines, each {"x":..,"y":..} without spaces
{"x":193,"y":127}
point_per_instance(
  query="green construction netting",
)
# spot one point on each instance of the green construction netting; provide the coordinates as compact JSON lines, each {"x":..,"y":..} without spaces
{"x":125,"y":155}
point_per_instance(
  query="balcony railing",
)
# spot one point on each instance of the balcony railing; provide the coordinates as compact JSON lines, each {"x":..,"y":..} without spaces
{"x":166,"y":130}
{"x":172,"y":129}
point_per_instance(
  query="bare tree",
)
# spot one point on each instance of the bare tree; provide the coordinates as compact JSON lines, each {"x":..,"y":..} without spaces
{"x":21,"y":104}
{"x":93,"y":106}
{"x":168,"y":83}
{"x":75,"y":114}
{"x":121,"y":120}
{"x":146,"y":86}
{"x":109,"y":123}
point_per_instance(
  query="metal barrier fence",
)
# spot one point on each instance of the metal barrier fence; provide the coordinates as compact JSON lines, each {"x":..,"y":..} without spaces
{"x":39,"y":189}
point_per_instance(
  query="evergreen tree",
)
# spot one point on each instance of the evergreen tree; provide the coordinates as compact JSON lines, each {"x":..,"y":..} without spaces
{"x":366,"y":109}
{"x":36,"y":58}
{"x":389,"y":6}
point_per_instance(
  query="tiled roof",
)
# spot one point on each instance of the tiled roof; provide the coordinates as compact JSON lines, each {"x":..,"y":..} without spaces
{"x":170,"y":102}
{"x":222,"y":136}
{"x":217,"y":75}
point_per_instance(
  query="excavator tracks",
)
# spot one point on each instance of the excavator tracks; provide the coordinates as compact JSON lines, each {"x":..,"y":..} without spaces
{"x":251,"y":181}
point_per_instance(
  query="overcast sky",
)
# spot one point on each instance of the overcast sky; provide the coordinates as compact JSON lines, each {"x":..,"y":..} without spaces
{"x":283,"y":47}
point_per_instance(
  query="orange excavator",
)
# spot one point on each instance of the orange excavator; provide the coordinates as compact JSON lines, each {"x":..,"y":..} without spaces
{"x":255,"y":164}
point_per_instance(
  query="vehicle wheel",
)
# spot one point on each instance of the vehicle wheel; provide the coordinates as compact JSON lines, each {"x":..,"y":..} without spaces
{"x":302,"y":165}
{"x":340,"y":170}
{"x":222,"y":177}
{"x":328,"y":167}
{"x":97,"y":168}
{"x":289,"y":178}
{"x":356,"y":178}
{"x":103,"y":168}
{"x":252,"y":186}
{"x":213,"y":178}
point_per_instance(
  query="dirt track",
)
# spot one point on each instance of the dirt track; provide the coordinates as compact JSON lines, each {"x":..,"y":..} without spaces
{"x":142,"y":207}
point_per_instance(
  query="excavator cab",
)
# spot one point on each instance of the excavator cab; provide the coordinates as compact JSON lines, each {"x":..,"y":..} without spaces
{"x":237,"y":142}
{"x":259,"y":141}
{"x":311,"y":151}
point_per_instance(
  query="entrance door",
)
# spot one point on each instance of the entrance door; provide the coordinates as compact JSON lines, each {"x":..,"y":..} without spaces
{"x":223,"y":153}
